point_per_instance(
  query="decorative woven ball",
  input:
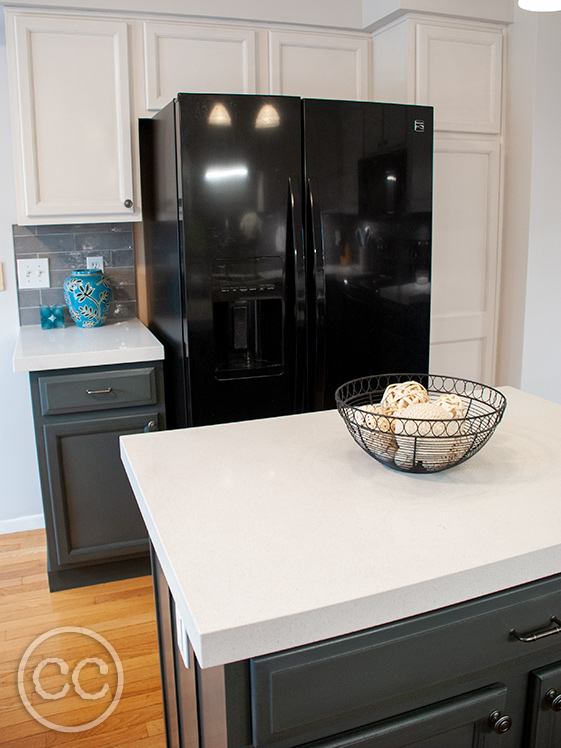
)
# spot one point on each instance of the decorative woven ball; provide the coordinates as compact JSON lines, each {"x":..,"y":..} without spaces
{"x":402,"y":394}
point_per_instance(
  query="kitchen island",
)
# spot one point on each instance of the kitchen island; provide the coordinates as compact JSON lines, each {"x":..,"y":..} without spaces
{"x":326,"y":595}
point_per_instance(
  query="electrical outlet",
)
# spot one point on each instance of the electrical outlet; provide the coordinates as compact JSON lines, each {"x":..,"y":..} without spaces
{"x":34,"y":273}
{"x":95,"y":262}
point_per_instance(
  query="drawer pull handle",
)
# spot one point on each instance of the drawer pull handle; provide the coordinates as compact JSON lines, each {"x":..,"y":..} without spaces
{"x":553,"y":700}
{"x":100,"y":392}
{"x":500,"y":724}
{"x":534,"y":636}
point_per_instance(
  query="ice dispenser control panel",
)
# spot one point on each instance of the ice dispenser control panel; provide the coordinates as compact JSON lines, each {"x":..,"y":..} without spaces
{"x":247,"y":277}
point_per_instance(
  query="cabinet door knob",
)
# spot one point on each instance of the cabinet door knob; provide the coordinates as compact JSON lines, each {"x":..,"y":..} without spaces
{"x":553,"y":700}
{"x":500,"y":724}
{"x":150,"y":426}
{"x":128,"y":203}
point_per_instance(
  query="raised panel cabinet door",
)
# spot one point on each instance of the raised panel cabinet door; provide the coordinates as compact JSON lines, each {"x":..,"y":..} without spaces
{"x":324,"y":66}
{"x":459,"y":72}
{"x":465,"y":258}
{"x":71,"y":119}
{"x":474,"y":719}
{"x":197,"y":59}
{"x":544,"y":707}
{"x":95,"y":514}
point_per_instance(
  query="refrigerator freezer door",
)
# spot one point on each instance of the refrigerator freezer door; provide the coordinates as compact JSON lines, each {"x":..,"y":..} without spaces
{"x":239,"y":160}
{"x":368,"y":170}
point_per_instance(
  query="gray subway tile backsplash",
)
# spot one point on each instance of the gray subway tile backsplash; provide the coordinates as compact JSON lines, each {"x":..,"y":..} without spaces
{"x":67,"y":247}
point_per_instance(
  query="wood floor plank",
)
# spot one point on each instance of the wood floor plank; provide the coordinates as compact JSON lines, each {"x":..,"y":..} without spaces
{"x":156,"y":727}
{"x":29,"y":566}
{"x":104,"y":739}
{"x":80,"y":616}
{"x":35,"y":741}
{"x":122,"y":612}
{"x":25,"y":539}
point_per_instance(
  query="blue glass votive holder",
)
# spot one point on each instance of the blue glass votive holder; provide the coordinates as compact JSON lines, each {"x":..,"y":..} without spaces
{"x":52,"y":316}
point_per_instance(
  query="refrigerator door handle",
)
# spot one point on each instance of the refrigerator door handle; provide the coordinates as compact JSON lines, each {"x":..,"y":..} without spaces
{"x":316,"y":291}
{"x":295,"y":237}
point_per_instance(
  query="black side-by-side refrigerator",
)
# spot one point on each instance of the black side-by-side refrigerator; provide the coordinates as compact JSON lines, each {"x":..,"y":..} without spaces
{"x":288,"y":249}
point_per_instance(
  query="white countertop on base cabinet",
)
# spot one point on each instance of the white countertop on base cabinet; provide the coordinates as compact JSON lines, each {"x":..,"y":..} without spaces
{"x":280,"y":532}
{"x":71,"y":346}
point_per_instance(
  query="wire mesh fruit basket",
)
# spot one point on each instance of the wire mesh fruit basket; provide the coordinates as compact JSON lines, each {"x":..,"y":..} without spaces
{"x":420,"y":423}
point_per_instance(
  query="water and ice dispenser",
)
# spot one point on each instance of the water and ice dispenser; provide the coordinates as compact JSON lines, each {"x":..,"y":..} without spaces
{"x":247,"y":300}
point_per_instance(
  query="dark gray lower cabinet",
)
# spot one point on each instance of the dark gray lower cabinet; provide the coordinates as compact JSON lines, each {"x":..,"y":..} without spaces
{"x":95,"y":531}
{"x":482,"y":674}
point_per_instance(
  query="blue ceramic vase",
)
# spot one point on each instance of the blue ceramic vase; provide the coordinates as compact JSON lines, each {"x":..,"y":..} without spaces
{"x":87,"y":294}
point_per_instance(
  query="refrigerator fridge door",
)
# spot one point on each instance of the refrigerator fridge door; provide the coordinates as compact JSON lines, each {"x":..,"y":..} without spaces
{"x":368,"y":196}
{"x":242,"y":255}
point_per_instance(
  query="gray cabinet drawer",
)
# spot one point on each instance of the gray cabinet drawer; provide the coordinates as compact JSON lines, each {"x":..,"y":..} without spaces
{"x":101,"y":390}
{"x":298,"y":695}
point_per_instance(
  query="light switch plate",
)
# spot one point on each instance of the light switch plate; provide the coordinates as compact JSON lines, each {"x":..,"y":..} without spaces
{"x":34,"y":273}
{"x":95,"y":262}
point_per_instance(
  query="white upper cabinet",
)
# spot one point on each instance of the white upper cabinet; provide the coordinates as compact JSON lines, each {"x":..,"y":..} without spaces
{"x":319,"y":65}
{"x":72,"y":129}
{"x":194,"y":58}
{"x":75,"y":99}
{"x":456,"y":68}
{"x":459,"y":73}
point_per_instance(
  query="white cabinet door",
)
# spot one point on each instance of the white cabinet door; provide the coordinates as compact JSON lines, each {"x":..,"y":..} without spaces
{"x":459,"y":72}
{"x":197,"y":59}
{"x":71,"y":118}
{"x":465,"y":258}
{"x":319,"y":65}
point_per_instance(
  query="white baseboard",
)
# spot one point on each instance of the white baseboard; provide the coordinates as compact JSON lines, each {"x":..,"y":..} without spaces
{"x":21,"y":524}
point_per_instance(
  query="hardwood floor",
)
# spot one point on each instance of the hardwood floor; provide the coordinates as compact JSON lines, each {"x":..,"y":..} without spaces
{"x":122,"y":613}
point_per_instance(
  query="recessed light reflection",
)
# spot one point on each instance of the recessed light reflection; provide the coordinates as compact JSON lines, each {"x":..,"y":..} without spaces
{"x":267,"y":117}
{"x":219,"y":116}
{"x":221,"y":173}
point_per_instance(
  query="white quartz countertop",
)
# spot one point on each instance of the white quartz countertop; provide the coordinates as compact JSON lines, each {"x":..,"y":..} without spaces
{"x":280,"y":532}
{"x":71,"y":346}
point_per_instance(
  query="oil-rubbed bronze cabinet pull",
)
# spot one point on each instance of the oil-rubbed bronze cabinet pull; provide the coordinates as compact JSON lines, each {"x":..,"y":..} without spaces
{"x":534,"y":636}
{"x":100,"y":392}
{"x":500,"y":723}
{"x":553,"y":700}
